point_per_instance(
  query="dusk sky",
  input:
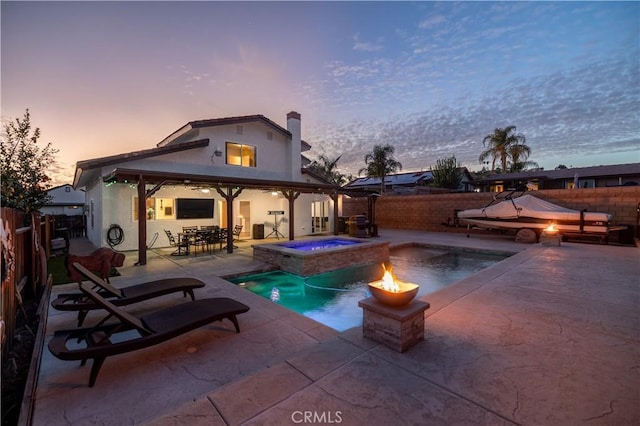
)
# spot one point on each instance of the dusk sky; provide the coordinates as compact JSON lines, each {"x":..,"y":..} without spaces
{"x":429,"y":78}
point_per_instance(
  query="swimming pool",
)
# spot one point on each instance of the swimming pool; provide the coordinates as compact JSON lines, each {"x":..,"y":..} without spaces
{"x":331,"y":298}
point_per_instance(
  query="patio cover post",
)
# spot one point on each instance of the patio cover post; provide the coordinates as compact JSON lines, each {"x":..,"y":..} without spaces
{"x":229,"y":196}
{"x":334,"y":197}
{"x":142,"y":222}
{"x":291,"y":196}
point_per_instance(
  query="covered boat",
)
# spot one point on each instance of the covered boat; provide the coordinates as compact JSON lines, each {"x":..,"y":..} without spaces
{"x":529,"y":212}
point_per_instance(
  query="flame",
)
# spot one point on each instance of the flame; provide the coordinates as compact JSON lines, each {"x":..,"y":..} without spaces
{"x":388,"y":282}
{"x":551,"y":229}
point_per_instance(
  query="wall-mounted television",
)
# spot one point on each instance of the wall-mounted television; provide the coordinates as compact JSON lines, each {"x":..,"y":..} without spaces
{"x":194,"y":208}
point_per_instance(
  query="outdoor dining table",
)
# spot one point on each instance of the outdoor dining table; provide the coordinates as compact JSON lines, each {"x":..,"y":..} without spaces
{"x":203,"y":237}
{"x":184,"y":237}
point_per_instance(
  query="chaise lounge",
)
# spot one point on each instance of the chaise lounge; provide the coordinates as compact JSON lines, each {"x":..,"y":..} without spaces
{"x":152,"y":328}
{"x":123,"y":296}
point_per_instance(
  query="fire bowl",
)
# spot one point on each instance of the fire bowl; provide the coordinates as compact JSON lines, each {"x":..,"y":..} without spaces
{"x":406,"y":294}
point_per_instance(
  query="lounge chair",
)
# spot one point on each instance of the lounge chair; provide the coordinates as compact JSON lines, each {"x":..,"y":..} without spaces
{"x":123,"y":296}
{"x":152,"y":328}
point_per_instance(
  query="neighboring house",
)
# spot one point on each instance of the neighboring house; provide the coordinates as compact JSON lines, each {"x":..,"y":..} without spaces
{"x":406,"y":183}
{"x":582,"y":177}
{"x":225,"y":172}
{"x":64,"y":201}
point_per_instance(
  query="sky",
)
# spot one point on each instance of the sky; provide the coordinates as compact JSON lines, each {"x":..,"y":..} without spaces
{"x":432,"y":79}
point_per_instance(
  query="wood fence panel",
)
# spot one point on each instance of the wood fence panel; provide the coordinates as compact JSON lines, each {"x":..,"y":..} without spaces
{"x":20,"y":264}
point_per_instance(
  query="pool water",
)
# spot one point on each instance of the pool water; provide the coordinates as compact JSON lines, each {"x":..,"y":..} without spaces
{"x":331,"y":298}
{"x":319,"y":245}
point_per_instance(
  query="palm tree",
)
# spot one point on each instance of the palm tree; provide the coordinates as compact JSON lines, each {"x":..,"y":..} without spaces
{"x":381,"y":163}
{"x":498,"y":146}
{"x":328,"y":169}
{"x":519,"y":154}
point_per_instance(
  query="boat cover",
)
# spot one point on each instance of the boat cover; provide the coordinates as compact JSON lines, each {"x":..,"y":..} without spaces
{"x":530,"y":206}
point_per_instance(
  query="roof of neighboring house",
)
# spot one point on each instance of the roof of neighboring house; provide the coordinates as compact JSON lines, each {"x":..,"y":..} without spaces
{"x":411,"y":178}
{"x":399,"y":179}
{"x":196,"y":124}
{"x":582,"y":172}
{"x":61,"y":197}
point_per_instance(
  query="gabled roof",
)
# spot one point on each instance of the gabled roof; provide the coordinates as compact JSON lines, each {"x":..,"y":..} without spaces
{"x":582,"y":172}
{"x":212,"y":122}
{"x":96,"y":163}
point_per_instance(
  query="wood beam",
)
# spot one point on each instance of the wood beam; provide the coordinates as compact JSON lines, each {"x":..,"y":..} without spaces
{"x":142,"y":222}
{"x":334,"y":197}
{"x":229,"y":196}
{"x":291,"y":195}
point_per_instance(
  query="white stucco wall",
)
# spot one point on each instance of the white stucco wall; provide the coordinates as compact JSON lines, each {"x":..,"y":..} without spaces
{"x":114,"y":204}
{"x":271,"y":155}
{"x":119,"y":205}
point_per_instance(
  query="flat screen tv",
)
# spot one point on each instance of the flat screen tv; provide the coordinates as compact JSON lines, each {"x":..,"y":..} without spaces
{"x":194,"y":208}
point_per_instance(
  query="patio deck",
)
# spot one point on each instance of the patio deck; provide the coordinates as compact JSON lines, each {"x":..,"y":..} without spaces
{"x":549,"y":336}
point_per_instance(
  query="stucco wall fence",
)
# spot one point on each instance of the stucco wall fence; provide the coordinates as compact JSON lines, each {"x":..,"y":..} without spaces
{"x":432,"y":211}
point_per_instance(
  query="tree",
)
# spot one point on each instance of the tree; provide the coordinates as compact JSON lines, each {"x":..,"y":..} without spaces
{"x":446,"y":173}
{"x":561,"y":167}
{"x":381,"y":163}
{"x":498,"y":146}
{"x":328,"y":169}
{"x":24,"y":165}
{"x":519,"y":154}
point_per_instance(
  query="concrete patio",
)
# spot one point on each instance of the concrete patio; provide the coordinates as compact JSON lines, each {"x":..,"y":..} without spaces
{"x":549,"y":336}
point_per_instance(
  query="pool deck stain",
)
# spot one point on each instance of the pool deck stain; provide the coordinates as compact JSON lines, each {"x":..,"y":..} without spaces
{"x":548,"y":336}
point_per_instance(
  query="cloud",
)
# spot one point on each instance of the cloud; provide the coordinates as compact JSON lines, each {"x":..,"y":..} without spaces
{"x":588,"y":109}
{"x":431,"y":21}
{"x":367,"y":46}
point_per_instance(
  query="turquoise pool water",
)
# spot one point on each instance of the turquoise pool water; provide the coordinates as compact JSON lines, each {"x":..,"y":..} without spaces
{"x":331,"y":298}
{"x":319,"y":245}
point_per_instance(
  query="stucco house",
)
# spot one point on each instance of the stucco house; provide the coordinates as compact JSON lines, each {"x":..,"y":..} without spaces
{"x":64,"y":201}
{"x":577,"y":177}
{"x":231,"y":171}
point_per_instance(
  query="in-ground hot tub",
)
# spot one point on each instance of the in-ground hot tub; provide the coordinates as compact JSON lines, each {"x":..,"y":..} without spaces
{"x":323,"y":254}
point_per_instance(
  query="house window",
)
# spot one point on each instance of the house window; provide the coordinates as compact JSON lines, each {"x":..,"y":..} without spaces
{"x":151,"y":208}
{"x":586,"y":183}
{"x":241,"y":155}
{"x":67,"y":189}
{"x":157,"y":208}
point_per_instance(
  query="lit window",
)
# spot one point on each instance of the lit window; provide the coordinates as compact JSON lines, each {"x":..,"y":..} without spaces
{"x":241,"y":155}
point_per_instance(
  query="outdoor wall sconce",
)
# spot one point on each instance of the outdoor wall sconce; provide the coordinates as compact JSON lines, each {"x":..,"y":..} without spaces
{"x":217,"y":152}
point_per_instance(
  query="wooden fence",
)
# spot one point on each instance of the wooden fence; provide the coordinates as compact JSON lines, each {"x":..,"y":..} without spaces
{"x":23,"y":267}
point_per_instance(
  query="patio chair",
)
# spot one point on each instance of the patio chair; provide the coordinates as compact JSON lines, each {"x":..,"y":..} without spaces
{"x":182,"y":245}
{"x":122,"y":296}
{"x":131,"y":333}
{"x":236,"y":232}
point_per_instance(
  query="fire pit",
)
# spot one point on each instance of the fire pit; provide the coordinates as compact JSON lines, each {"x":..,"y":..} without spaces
{"x":550,"y":236}
{"x":390,"y":316}
{"x":391,"y":291}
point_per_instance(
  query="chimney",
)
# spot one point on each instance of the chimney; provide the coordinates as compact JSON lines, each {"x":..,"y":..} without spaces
{"x":295,"y":150}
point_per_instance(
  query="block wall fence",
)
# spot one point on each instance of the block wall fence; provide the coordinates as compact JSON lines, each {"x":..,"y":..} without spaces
{"x":430,"y":211}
